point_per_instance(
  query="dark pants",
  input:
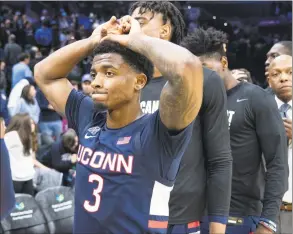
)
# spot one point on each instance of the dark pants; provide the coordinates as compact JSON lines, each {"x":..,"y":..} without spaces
{"x":26,"y":187}
{"x":188,"y":228}
{"x":285,"y":222}
{"x":235,"y":225}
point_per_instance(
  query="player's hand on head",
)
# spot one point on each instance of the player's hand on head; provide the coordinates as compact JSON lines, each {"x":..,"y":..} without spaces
{"x":110,"y":27}
{"x":128,"y":24}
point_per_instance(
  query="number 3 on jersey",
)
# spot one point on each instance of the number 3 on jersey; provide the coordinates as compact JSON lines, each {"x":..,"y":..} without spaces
{"x":96,"y":193}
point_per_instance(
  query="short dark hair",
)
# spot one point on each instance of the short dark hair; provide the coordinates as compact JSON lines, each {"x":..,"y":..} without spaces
{"x":23,"y":56}
{"x":137,"y":61}
{"x":168,"y":11}
{"x":206,"y":42}
{"x":68,"y":140}
{"x":287,"y":45}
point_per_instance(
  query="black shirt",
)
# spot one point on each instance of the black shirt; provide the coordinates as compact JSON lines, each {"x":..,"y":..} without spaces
{"x":208,"y":151}
{"x":256,"y":129}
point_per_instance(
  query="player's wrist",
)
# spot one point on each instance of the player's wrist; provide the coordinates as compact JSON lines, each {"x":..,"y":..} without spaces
{"x":218,"y":219}
{"x":268,"y":224}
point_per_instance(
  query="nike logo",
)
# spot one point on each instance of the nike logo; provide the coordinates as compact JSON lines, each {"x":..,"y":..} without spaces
{"x":87,"y":137}
{"x":241,"y":100}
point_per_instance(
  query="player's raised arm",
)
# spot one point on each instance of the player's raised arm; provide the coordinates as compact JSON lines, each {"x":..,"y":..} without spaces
{"x":182,"y":96}
{"x":50,"y":73}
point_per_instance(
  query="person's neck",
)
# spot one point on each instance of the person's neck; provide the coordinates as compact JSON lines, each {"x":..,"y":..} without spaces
{"x":284,"y":99}
{"x":125,"y":115}
{"x":229,"y":81}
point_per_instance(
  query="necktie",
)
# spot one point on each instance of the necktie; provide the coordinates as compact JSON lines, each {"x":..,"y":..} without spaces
{"x":284,"y":108}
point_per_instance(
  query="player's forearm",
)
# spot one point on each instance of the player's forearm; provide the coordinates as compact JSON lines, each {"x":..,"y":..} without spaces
{"x":61,"y":62}
{"x":274,"y":191}
{"x":170,"y":59}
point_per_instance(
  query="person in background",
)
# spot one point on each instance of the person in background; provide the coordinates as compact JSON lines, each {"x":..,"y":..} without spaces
{"x":86,"y":84}
{"x":256,"y":131}
{"x":43,"y":35}
{"x":21,"y":70}
{"x":15,"y":95}
{"x":50,"y":123}
{"x":7,"y":197}
{"x":62,"y":155}
{"x":280,"y":48}
{"x":28,"y":103}
{"x":11,"y":53}
{"x":280,"y":80}
{"x":3,"y":98}
{"x":242,"y":74}
{"x":21,"y":142}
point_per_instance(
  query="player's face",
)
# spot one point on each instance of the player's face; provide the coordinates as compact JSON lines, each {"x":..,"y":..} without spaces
{"x":86,"y":87}
{"x":274,"y":52}
{"x":152,"y":24}
{"x":114,"y":83}
{"x":280,"y":77}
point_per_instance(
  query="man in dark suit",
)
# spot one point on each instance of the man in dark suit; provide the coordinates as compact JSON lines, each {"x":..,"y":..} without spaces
{"x":280,"y":81}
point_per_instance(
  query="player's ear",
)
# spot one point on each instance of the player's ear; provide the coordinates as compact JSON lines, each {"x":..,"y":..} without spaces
{"x":269,"y":82}
{"x":165,"y":31}
{"x":224,"y":62}
{"x":140,"y":81}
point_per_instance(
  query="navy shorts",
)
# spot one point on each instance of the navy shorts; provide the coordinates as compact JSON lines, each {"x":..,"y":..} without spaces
{"x":188,"y":228}
{"x":236,"y":224}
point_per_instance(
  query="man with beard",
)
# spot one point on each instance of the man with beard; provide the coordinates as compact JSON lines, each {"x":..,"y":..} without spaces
{"x":256,"y":129}
{"x":206,"y":167}
{"x":127,"y":161}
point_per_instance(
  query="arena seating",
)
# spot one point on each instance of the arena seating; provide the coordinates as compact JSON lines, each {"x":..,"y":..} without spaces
{"x":26,"y":217}
{"x":57,"y":204}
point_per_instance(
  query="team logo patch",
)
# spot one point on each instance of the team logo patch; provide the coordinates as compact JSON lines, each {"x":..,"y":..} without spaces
{"x":60,"y":197}
{"x":19,"y":206}
{"x":123,"y":140}
{"x":94,"y":130}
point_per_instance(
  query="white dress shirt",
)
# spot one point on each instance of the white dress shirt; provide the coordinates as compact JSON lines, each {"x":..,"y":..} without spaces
{"x":288,"y":195}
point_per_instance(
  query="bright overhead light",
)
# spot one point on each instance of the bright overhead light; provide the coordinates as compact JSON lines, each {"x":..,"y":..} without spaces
{"x":189,"y":7}
{"x":214,"y":17}
{"x":225,"y":24}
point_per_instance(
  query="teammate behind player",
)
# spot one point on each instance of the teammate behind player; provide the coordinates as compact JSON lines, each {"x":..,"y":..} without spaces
{"x":255,"y":128}
{"x":210,"y":143}
{"x":127,"y":161}
{"x":280,"y":48}
{"x":7,"y":197}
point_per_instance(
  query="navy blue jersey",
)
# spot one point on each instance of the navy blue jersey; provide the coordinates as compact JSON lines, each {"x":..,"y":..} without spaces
{"x":124,"y":176}
{"x":7,"y":198}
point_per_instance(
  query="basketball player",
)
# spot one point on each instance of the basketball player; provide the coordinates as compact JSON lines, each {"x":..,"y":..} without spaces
{"x":256,"y":128}
{"x":206,"y":168}
{"x":7,"y":197}
{"x":280,"y":48}
{"x":127,"y":161}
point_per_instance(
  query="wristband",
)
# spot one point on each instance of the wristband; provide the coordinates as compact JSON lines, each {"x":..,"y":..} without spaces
{"x":268,"y":224}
